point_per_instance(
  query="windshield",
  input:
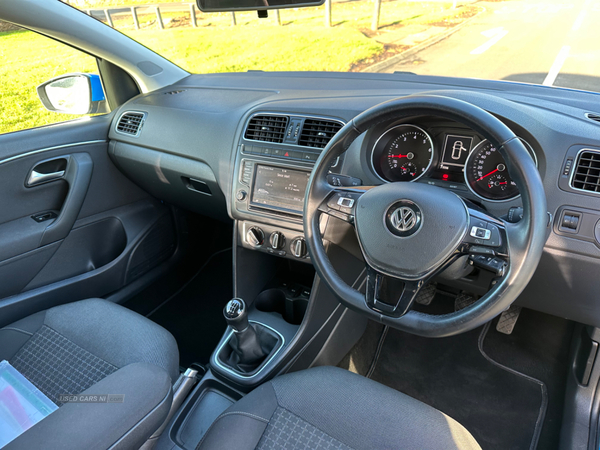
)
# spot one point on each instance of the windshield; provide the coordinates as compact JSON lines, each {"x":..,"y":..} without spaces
{"x":549,"y":43}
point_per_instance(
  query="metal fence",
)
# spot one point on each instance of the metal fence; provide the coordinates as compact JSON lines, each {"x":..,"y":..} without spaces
{"x":108,"y":14}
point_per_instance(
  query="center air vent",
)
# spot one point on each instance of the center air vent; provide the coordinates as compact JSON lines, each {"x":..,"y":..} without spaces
{"x":267,"y":128}
{"x":131,"y":123}
{"x":587,"y":172}
{"x":318,"y":132}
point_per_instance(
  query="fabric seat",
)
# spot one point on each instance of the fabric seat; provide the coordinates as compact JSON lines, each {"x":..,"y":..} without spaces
{"x":93,"y":347}
{"x":331,"y":408}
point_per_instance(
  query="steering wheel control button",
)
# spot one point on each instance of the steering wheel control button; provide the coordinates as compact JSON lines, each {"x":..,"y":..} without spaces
{"x":481,"y":233}
{"x":346,"y":202}
{"x":495,"y":240}
{"x":403,"y":218}
{"x":298,"y":247}
{"x":341,"y":205}
{"x":255,"y":237}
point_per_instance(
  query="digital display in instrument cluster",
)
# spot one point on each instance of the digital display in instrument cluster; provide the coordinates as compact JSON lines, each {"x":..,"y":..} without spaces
{"x":455,"y":151}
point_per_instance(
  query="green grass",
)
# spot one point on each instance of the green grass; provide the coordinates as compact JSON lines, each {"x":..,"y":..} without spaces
{"x":301,"y":43}
{"x":269,"y":48}
{"x":28,"y":60}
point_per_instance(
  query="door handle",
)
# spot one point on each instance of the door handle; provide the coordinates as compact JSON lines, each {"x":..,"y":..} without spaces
{"x":47,"y":171}
{"x":36,"y":178}
{"x":78,"y":173}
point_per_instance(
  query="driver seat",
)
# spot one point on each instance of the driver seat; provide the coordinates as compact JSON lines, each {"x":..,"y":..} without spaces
{"x":331,"y":408}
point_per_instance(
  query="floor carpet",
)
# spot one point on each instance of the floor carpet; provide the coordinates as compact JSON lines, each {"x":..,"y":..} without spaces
{"x":507,"y":390}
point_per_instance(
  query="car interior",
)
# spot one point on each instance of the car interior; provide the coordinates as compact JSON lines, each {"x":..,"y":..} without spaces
{"x":300,"y":260}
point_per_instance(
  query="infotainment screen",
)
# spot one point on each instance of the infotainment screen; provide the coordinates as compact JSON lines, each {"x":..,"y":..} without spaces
{"x":279,"y":188}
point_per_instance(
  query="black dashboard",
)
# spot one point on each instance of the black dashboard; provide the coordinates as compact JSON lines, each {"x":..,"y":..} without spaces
{"x":243,"y":145}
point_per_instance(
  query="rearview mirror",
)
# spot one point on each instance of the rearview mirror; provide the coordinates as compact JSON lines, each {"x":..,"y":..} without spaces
{"x":74,"y":93}
{"x":253,"y":5}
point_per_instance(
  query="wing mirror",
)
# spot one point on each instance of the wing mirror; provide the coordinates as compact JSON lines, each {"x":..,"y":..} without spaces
{"x":74,"y":93}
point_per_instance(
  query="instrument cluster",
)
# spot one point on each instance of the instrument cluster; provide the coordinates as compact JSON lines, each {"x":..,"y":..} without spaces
{"x":408,"y":152}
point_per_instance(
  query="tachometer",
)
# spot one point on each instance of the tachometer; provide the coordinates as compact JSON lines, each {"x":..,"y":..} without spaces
{"x":486,"y":173}
{"x":403,"y":153}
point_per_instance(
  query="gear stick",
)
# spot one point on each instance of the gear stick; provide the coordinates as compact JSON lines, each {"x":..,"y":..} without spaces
{"x":246,"y":349}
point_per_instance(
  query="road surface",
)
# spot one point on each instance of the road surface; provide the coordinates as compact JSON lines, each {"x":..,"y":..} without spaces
{"x":555,"y":43}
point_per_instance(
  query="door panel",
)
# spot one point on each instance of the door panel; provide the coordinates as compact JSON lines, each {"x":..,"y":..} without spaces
{"x":100,"y":232}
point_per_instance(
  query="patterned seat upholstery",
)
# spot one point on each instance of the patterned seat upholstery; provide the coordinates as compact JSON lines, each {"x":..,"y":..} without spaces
{"x":93,"y":347}
{"x":327,"y":408}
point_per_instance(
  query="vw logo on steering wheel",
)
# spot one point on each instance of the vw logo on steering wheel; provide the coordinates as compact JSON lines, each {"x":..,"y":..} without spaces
{"x":403,"y":218}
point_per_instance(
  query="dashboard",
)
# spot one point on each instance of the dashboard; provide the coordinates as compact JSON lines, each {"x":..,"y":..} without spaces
{"x":243,"y":145}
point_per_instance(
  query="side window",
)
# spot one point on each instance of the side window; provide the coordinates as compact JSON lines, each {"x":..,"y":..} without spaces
{"x":27,"y":60}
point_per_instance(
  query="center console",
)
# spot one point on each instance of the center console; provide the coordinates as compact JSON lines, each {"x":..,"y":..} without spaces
{"x":275,"y":156}
{"x":282,"y":317}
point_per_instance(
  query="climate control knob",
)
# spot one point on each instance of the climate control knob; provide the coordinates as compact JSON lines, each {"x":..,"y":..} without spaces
{"x":298,"y":247}
{"x":277,"y":240}
{"x":255,"y":236}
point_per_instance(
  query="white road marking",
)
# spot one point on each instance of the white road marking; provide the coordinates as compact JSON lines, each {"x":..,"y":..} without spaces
{"x":495,"y":34}
{"x":577,"y":24}
{"x":557,"y":65}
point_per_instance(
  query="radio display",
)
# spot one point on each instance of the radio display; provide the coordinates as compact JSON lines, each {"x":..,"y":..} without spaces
{"x":279,"y":188}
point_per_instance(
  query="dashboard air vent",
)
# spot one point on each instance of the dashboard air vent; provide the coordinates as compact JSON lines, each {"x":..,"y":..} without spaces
{"x":318,"y":132}
{"x":592,"y":116}
{"x":131,"y":123}
{"x":267,"y":128}
{"x":587,"y":172}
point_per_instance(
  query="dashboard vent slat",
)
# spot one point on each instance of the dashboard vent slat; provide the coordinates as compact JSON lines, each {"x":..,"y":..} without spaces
{"x":267,"y":128}
{"x":318,"y":132}
{"x":131,"y":123}
{"x":587,"y":172}
{"x":592,"y":116}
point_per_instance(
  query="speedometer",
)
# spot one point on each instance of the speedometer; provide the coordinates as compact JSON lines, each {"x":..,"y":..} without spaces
{"x":487,"y":175}
{"x":403,"y":153}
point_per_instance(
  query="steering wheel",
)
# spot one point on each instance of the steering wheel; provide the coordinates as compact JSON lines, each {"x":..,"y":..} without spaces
{"x":410,"y":232}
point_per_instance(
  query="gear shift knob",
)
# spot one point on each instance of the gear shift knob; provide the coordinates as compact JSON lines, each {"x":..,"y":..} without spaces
{"x":236,"y":314}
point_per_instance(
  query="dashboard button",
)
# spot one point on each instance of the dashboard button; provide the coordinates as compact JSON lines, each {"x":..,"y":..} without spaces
{"x":306,"y":156}
{"x":241,"y":195}
{"x":298,"y":247}
{"x":255,"y":236}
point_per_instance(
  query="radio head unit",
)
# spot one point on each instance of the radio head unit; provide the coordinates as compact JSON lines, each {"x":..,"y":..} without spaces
{"x":279,"y":188}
